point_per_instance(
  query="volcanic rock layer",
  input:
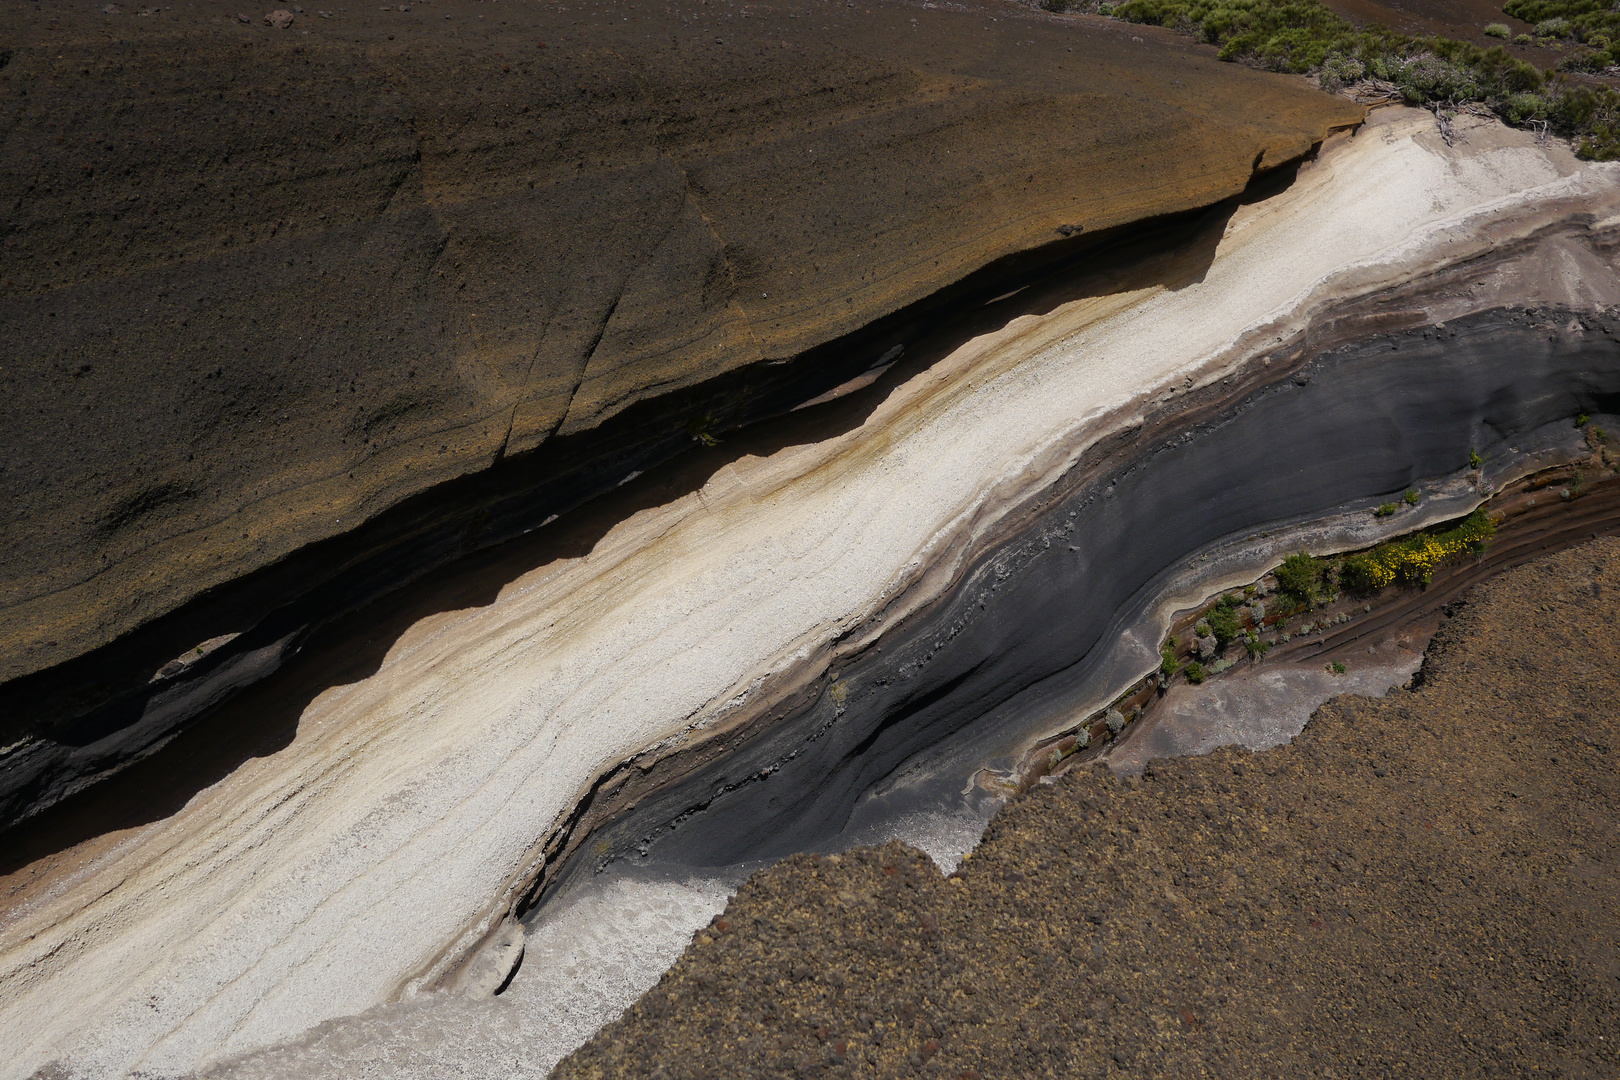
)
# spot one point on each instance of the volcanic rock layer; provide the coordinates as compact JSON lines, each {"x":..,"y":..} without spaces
{"x":1046,"y":627}
{"x":414,"y":811}
{"x":294,"y":315}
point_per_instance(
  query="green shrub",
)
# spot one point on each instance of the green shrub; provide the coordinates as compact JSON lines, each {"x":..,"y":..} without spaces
{"x":1168,"y":664}
{"x":1474,"y":460}
{"x":1223,"y":623}
{"x":1195,"y":672}
{"x":1299,"y":577}
{"x":1497,"y":30}
{"x":1339,"y":70}
{"x":1337,"y":668}
{"x":1254,"y":646}
{"x":1412,"y":561}
{"x":1580,"y":420}
{"x":1305,"y":36}
{"x":698,"y":427}
{"x":1384,"y":510}
{"x":1523,"y":108}
{"x":1412,"y":497}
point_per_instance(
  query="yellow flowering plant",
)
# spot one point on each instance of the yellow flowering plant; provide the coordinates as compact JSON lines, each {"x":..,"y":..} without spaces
{"x":1412,"y":561}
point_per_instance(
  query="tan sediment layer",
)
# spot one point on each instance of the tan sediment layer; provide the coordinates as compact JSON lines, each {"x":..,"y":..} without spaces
{"x":412,"y":808}
{"x":1423,"y":884}
{"x":257,"y":285}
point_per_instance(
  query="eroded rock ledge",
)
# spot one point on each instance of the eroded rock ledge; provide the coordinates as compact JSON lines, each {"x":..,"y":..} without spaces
{"x":262,"y":285}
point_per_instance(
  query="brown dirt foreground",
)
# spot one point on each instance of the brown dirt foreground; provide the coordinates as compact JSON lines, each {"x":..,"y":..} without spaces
{"x":1421,"y":885}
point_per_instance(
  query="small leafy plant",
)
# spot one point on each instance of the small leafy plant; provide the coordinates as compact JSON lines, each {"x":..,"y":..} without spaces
{"x":698,"y":427}
{"x":1336,"y":667}
{"x":1223,"y":621}
{"x":1474,"y":460}
{"x":1384,"y":510}
{"x":1299,"y":577}
{"x":1412,"y":497}
{"x":1580,"y":420}
{"x":1195,"y":672}
{"x":1255,"y":647}
{"x":1498,"y":30}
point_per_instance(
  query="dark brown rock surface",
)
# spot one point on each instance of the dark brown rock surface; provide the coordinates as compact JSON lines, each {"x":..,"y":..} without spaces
{"x":258,"y":284}
{"x":1423,"y":885}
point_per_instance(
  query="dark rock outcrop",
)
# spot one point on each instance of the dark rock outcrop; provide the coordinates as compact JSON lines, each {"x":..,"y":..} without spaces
{"x":1036,"y":619}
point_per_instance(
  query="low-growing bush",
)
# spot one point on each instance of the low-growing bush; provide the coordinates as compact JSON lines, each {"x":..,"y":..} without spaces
{"x":1223,"y":621}
{"x":1412,"y":561}
{"x":1384,"y":509}
{"x":1299,"y":577}
{"x":1498,"y":30}
{"x":1305,"y":36}
{"x":1412,"y":496}
{"x":1195,"y":672}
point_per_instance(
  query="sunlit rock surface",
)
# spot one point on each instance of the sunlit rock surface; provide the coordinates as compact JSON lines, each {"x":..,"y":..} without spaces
{"x":261,"y":284}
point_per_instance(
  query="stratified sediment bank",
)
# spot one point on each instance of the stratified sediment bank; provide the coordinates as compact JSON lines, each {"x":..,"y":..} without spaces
{"x":1420,"y":884}
{"x":415,"y":810}
{"x":293,"y":316}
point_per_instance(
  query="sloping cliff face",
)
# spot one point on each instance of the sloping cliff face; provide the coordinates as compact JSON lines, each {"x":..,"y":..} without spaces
{"x":262,"y":285}
{"x":414,"y":809}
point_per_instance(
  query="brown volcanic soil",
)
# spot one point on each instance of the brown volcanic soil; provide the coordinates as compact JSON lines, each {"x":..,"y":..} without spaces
{"x":1422,"y":885}
{"x":258,"y":284}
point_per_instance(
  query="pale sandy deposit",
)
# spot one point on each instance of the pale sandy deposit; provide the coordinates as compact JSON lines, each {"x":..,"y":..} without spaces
{"x":359,"y":863}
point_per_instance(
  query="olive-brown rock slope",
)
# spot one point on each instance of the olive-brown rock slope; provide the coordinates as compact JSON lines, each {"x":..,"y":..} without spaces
{"x":259,"y":284}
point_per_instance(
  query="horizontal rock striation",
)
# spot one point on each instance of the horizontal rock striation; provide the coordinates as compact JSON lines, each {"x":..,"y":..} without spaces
{"x":414,"y":806}
{"x":294,"y":315}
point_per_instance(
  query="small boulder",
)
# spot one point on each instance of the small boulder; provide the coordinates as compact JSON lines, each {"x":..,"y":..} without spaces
{"x":280,"y":19}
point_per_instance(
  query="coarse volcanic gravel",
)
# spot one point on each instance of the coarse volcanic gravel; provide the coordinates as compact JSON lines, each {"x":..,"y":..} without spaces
{"x":1419,"y":885}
